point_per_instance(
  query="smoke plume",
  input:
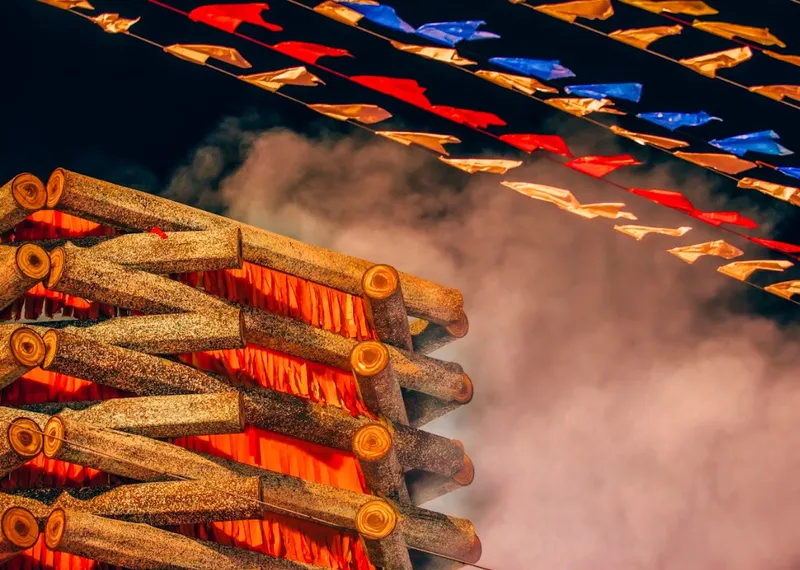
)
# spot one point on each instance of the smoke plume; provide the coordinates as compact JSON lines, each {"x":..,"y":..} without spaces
{"x":623,"y":418}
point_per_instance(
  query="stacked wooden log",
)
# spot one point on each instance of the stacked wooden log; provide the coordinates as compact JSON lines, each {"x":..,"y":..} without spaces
{"x":402,"y":387}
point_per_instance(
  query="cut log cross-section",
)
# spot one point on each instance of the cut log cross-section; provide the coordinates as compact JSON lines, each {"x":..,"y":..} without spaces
{"x":377,"y":384}
{"x":19,"y":531}
{"x":386,"y":310}
{"x":375,"y":453}
{"x":143,"y":547}
{"x":20,"y":441}
{"x":21,"y":349}
{"x":21,"y":267}
{"x":376,"y":522}
{"x":20,"y":197}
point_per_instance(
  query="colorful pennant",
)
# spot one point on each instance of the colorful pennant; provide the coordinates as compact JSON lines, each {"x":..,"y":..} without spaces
{"x":539,"y":68}
{"x":199,"y":54}
{"x":445,"y":55}
{"x":488,"y":165}
{"x":228,"y":17}
{"x":643,"y":37}
{"x":688,"y":7}
{"x":380,"y":14}
{"x":726,"y":163}
{"x":571,"y":11}
{"x":599,"y":166}
{"x":731,"y":31}
{"x":274,"y":80}
{"x":762,"y":142}
{"x":430,"y":141}
{"x":674,"y":121}
{"x":710,"y":63}
{"x":366,"y":114}
{"x":640,"y":232}
{"x":450,"y":33}
{"x":741,"y":270}
{"x":652,"y":140}
{"x":718,"y":248}
{"x":530,"y":143}
{"x":583,"y":107}
{"x":308,"y":52}
{"x":527,"y":85}
{"x":113,"y":24}
{"x":627,"y":91}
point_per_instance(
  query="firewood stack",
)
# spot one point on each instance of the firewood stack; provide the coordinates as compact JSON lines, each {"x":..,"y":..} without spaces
{"x":189,"y":423}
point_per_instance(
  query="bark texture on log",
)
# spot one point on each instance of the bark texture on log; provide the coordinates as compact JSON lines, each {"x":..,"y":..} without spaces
{"x":21,"y":350}
{"x":20,"y":441}
{"x":20,"y":197}
{"x":376,"y":522}
{"x":427,"y":337}
{"x":171,"y":334}
{"x":375,"y":453}
{"x":377,"y":384}
{"x":179,"y":252}
{"x":83,"y":273}
{"x":423,"y":409}
{"x":21,"y":267}
{"x":18,"y":531}
{"x":127,"y":208}
{"x":386,"y":310}
{"x":141,"y":547}
{"x":424,"y":486}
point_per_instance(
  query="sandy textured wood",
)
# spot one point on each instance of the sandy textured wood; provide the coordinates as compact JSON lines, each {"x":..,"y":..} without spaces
{"x":386,"y":310}
{"x":376,"y":456}
{"x":127,"y":208}
{"x":18,"y":531}
{"x":376,"y":522}
{"x":220,"y":329}
{"x":20,"y":441}
{"x":427,"y":337}
{"x":179,"y":252}
{"x":20,"y":197}
{"x":424,"y":486}
{"x":142,"y":547}
{"x":21,"y":349}
{"x":21,"y":267}
{"x":444,"y":380}
{"x":377,"y":384}
{"x":423,"y":409}
{"x":83,"y":273}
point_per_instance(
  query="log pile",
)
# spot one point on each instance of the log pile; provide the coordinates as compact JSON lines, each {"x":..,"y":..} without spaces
{"x":399,"y":384}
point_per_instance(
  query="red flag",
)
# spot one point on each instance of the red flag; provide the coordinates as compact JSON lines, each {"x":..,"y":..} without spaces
{"x":529,"y":143}
{"x":667,"y":198}
{"x":599,"y":166}
{"x":719,"y":218}
{"x":407,"y":90}
{"x":308,"y":52}
{"x":228,"y":16}
{"x":158,"y":232}
{"x":776,"y":245}
{"x":477,"y":119}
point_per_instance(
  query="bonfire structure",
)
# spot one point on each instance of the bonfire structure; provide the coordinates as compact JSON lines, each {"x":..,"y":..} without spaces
{"x":180,"y":390}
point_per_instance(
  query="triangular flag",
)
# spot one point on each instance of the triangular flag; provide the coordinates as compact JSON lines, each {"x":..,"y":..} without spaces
{"x":309,"y":53}
{"x":338,"y":12}
{"x":600,"y":91}
{"x":450,"y":33}
{"x":367,"y":114}
{"x":639,"y":232}
{"x":673,"y":121}
{"x":688,"y":7}
{"x":785,"y":193}
{"x":719,"y":248}
{"x":611,"y":210}
{"x":527,"y":85}
{"x":488,"y":165}
{"x":731,"y":31}
{"x":570,"y":11}
{"x":741,"y":270}
{"x":709,"y":63}
{"x":583,"y":107}
{"x":274,"y":80}
{"x":723,"y":162}
{"x":68,"y":4}
{"x":476,"y":119}
{"x":643,"y":37}
{"x":558,"y":196}
{"x":428,"y":140}
{"x":793,"y":59}
{"x":778,"y":92}
{"x":407,"y":90}
{"x":785,"y":289}
{"x":644,"y":139}
{"x":113,"y":24}
{"x":599,"y":166}
{"x":762,"y":142}
{"x":382,"y":15}
{"x":445,"y":55}
{"x":197,"y":53}
{"x":228,"y":17}
{"x":530,"y":143}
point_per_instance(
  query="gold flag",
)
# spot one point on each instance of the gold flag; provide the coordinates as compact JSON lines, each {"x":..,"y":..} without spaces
{"x":68,"y":4}
{"x":517,"y":1}
{"x":730,"y":31}
{"x":338,"y":12}
{"x":367,"y":114}
{"x":785,"y":289}
{"x":580,"y":107}
{"x":489,"y":165}
{"x":785,"y":193}
{"x":726,"y":163}
{"x":719,"y":248}
{"x":639,"y":232}
{"x":611,"y":210}
{"x":793,"y":59}
{"x":570,"y":11}
{"x":113,"y":24}
{"x":558,"y":196}
{"x":274,"y":80}
{"x":446,"y":55}
{"x":778,"y":92}
{"x":527,"y":85}
{"x":643,"y":37}
{"x":643,"y":139}
{"x":741,"y":270}
{"x":428,"y":140}
{"x":688,"y":7}
{"x":709,"y":63}
{"x":200,"y":53}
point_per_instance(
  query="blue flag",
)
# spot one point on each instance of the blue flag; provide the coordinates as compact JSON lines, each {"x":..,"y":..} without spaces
{"x":380,"y":14}
{"x":793,"y":171}
{"x":539,"y":68}
{"x":629,"y":91}
{"x":762,"y":141}
{"x":674,"y":121}
{"x":450,"y":33}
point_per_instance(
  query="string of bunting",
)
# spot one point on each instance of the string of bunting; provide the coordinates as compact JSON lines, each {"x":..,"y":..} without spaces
{"x":434,"y":143}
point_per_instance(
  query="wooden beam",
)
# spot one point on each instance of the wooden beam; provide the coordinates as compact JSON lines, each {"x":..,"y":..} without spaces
{"x":423,"y":409}
{"x":127,"y":208}
{"x":424,"y":486}
{"x":376,"y":522}
{"x":179,"y":252}
{"x":427,"y":337}
{"x":19,"y":198}
{"x":376,"y":456}
{"x":18,"y":531}
{"x":21,"y":267}
{"x":386,"y":310}
{"x":372,"y":368}
{"x":83,"y":273}
{"x":142,"y":547}
{"x":20,"y":441}
{"x":21,"y":350}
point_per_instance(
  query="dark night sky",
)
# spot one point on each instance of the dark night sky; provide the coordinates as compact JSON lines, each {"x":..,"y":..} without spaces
{"x":115,"y":108}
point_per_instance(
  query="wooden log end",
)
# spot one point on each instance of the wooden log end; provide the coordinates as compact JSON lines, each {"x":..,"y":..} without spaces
{"x":29,"y":192}
{"x":369,"y":358}
{"x":376,"y":519}
{"x":55,"y":187}
{"x":467,"y":473}
{"x":50,"y":341}
{"x":27,"y":347}
{"x":460,"y":328}
{"x":33,"y":261}
{"x":465,"y":393}
{"x":54,"y":433}
{"x":54,"y":528}
{"x":58,"y":259}
{"x":25,"y":437}
{"x":19,"y":527}
{"x":372,"y":442}
{"x":380,"y":282}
